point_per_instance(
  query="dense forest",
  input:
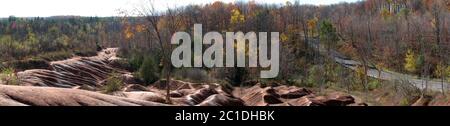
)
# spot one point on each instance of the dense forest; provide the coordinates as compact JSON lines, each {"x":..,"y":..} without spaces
{"x":405,"y":36}
{"x":23,"y":37}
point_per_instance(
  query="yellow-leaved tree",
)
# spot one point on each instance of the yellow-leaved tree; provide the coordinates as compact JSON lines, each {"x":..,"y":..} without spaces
{"x":410,"y":61}
{"x":236,"y":16}
{"x":442,"y":70}
{"x":237,"y":19}
{"x":312,"y":24}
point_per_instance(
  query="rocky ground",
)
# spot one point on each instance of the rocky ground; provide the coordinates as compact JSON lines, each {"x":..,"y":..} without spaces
{"x":77,"y":82}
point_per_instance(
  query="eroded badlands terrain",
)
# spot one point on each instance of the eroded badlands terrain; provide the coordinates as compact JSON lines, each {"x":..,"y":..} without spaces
{"x":78,"y":82}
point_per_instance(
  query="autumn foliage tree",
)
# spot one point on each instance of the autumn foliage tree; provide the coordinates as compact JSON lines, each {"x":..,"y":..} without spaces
{"x":410,"y":61}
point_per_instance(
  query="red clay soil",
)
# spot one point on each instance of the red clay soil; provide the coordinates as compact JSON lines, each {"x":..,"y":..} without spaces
{"x":78,"y":81}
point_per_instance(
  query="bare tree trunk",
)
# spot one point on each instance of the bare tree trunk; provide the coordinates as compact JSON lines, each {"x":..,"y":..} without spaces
{"x":305,"y":37}
{"x":380,"y":70}
{"x":168,"y":80}
{"x":427,"y":76}
{"x":365,"y":81}
{"x":436,"y":12}
{"x":369,"y":37}
{"x":165,"y":66}
{"x":442,"y":82}
{"x":153,"y":17}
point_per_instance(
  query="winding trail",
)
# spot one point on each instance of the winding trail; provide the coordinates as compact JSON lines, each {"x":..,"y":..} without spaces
{"x":384,"y":75}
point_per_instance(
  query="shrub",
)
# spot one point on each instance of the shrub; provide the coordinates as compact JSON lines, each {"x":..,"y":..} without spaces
{"x":113,"y":83}
{"x":122,"y":64}
{"x":28,"y":64}
{"x":236,"y":76}
{"x":358,"y":79}
{"x":55,"y":56}
{"x":404,"y":102}
{"x":193,"y":74}
{"x":315,"y":75}
{"x":85,"y":52}
{"x":135,"y":62}
{"x":9,"y":77}
{"x":148,"y":71}
{"x":374,"y":84}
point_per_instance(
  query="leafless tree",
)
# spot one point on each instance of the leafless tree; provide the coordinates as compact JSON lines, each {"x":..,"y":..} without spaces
{"x":153,"y":17}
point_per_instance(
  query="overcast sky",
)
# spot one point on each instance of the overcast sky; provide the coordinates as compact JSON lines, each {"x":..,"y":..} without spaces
{"x":45,"y":8}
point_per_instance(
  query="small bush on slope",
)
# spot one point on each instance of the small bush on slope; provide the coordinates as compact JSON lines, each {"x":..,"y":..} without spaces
{"x":113,"y":83}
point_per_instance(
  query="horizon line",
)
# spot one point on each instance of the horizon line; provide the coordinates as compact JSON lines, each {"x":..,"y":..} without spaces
{"x":117,"y":13}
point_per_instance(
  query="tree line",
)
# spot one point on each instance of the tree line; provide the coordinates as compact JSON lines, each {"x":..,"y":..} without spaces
{"x":407,"y":36}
